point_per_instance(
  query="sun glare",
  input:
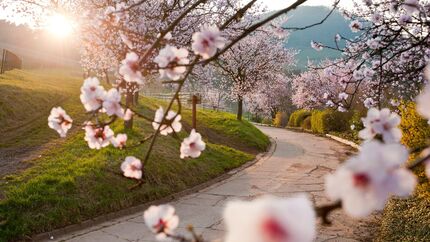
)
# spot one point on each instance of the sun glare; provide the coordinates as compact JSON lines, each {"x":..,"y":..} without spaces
{"x":60,"y":25}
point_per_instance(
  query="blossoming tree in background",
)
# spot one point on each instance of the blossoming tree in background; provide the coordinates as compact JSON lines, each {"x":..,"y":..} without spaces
{"x":316,"y":88}
{"x":271,"y":97}
{"x":360,"y":186}
{"x":384,"y":62}
{"x":254,"y":70}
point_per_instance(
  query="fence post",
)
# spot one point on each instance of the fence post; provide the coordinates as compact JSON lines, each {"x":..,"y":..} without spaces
{"x":3,"y":59}
{"x":195,"y":99}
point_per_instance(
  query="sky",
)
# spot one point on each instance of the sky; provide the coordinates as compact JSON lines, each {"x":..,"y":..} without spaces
{"x":279,"y":4}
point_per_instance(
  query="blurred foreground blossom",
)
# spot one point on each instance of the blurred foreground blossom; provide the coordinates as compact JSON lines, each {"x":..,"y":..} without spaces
{"x":171,"y":61}
{"x":270,"y":219}
{"x":129,"y":68}
{"x":423,"y":100}
{"x":161,"y":220}
{"x":207,"y":41}
{"x":365,"y":182}
{"x":382,"y":122}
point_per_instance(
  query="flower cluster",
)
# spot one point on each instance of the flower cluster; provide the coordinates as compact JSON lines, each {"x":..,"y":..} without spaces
{"x":98,"y":137}
{"x":95,"y":98}
{"x":317,"y":46}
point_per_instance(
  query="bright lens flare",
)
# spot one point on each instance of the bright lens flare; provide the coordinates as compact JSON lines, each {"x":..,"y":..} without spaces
{"x":60,"y":25}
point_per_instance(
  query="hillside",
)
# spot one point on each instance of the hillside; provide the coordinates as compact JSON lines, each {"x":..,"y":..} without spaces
{"x":69,"y":183}
{"x":323,"y":33}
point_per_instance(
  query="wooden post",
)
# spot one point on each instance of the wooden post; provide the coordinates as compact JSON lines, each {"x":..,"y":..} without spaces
{"x":194,"y":100}
{"x":3,"y":59}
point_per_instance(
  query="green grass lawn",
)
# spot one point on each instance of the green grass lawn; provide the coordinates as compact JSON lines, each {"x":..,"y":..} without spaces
{"x":26,"y":99}
{"x":70,"y":183}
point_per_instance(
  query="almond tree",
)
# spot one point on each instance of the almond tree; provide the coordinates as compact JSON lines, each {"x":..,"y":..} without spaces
{"x":256,"y":63}
{"x":271,"y":97}
{"x":386,"y":60}
{"x":316,"y":88}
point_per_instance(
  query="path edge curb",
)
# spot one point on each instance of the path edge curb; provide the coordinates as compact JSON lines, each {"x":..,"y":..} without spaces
{"x":344,"y":141}
{"x":301,"y":130}
{"x":98,"y":221}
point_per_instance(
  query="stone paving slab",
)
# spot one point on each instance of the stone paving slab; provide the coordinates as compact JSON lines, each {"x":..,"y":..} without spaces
{"x":297,"y":166}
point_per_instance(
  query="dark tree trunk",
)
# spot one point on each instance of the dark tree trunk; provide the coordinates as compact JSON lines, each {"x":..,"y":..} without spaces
{"x":136,"y":98}
{"x":107,"y":76}
{"x":239,"y":108}
{"x":129,"y":98}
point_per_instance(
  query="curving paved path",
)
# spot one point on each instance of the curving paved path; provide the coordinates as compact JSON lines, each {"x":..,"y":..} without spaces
{"x":298,"y":165}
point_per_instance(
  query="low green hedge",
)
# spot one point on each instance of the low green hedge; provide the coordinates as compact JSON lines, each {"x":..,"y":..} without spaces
{"x":297,"y":117}
{"x":281,"y":119}
{"x":306,"y":124}
{"x":330,"y":120}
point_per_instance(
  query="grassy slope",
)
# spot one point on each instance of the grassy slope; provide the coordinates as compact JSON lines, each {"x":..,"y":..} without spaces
{"x":26,"y":99}
{"x":71,"y":183}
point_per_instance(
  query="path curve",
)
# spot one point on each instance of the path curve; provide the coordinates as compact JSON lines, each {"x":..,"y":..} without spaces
{"x":298,"y":165}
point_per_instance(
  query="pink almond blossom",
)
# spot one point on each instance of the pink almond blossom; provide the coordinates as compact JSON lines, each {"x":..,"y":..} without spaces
{"x":382,"y":122}
{"x":170,"y":60}
{"x":132,"y":167}
{"x":161,"y":220}
{"x":119,"y":141}
{"x":111,"y":103}
{"x":172,"y":117}
{"x":60,"y":121}
{"x":98,"y":138}
{"x":92,"y":94}
{"x":129,"y":69}
{"x":192,"y":146}
{"x":207,"y":41}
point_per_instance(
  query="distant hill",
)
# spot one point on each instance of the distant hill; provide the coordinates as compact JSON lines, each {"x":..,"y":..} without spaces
{"x":323,"y":33}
